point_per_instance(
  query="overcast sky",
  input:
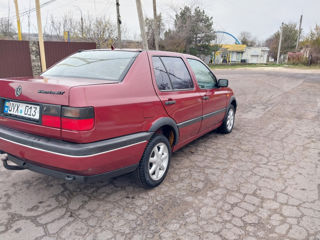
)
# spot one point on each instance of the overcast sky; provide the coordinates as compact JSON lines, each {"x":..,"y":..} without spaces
{"x":259,"y":17}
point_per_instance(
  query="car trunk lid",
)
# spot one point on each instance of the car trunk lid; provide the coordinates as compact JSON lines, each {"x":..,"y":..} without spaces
{"x":38,"y":94}
{"x":52,"y":90}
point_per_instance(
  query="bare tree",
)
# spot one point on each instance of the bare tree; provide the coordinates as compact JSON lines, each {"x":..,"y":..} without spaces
{"x":99,"y":30}
{"x":312,"y":42}
{"x":247,"y":39}
{"x":56,"y":28}
{"x":290,"y":34}
{"x":7,"y":30}
{"x":151,"y":31}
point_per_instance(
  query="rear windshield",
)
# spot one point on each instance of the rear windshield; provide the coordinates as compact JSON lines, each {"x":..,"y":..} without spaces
{"x":105,"y":65}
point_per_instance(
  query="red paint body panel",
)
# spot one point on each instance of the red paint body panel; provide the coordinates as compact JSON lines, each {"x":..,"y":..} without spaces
{"x":83,"y":166}
{"x":120,"y":109}
{"x":188,"y":106}
{"x":188,"y":103}
{"x":30,"y":128}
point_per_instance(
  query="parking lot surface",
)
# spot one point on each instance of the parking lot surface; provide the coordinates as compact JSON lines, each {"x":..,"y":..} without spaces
{"x":262,"y":181}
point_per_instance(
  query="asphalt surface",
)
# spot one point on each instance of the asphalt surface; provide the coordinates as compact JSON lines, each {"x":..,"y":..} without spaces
{"x":262,"y":181}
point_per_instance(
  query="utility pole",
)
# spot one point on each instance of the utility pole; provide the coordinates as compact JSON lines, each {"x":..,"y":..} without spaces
{"x":299,"y":33}
{"x":18,"y":20}
{"x":82,"y":33}
{"x":142,"y":25}
{"x":41,"y":43}
{"x":29,"y":20}
{"x":8,"y":22}
{"x":81,"y":20}
{"x":279,"y":47}
{"x":155,"y":25}
{"x":118,"y":23}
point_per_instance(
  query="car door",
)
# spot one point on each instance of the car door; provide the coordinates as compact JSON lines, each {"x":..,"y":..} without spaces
{"x":178,"y":94}
{"x":214,"y":99}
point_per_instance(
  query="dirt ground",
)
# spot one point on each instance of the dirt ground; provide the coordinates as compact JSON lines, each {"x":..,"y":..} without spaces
{"x":262,"y":181}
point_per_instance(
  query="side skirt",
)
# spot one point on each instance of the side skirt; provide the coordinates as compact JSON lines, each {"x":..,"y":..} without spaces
{"x":182,"y":144}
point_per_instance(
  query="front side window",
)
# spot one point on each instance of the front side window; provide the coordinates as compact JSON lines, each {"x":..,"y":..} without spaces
{"x":104,"y":65}
{"x":205,"y":78}
{"x":178,"y":73}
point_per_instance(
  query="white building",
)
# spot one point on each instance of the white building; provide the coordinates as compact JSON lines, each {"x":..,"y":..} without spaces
{"x":256,"y":54}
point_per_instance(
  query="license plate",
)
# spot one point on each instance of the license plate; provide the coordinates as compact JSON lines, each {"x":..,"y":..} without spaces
{"x":22,"y":110}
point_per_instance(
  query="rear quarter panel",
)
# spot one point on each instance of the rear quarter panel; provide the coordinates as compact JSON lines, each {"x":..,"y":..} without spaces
{"x":120,"y":109}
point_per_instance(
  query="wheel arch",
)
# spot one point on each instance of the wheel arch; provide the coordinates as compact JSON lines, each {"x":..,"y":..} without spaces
{"x":233,"y":102}
{"x":166,"y":125}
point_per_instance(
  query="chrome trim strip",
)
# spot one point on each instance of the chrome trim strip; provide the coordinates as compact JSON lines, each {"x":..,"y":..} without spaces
{"x":64,"y":148}
{"x":221,"y":92}
{"x":73,"y":156}
{"x":197,"y":119}
{"x":208,"y":115}
{"x":189,"y":122}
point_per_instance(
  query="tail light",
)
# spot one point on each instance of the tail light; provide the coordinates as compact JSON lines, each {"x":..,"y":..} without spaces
{"x":79,"y":119}
{"x":69,"y":118}
{"x":51,"y":115}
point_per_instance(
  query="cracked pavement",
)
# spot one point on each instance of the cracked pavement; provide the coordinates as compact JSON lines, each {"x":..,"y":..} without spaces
{"x":262,"y":181}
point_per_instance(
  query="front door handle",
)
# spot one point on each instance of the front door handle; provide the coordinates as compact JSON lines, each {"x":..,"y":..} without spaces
{"x":170,"y":102}
{"x":205,"y":97}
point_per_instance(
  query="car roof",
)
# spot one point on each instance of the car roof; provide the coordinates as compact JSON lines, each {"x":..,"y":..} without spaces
{"x":117,"y":49}
{"x":167,"y":53}
{"x":152,"y":52}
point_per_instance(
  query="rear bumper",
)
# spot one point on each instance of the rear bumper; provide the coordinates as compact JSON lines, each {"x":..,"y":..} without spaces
{"x":72,"y":158}
{"x":21,"y":165}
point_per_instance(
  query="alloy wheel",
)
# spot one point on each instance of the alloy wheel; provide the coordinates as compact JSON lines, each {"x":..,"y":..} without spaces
{"x":158,"y":161}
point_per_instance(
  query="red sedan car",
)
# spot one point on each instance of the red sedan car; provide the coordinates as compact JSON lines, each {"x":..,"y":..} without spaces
{"x":101,"y":113}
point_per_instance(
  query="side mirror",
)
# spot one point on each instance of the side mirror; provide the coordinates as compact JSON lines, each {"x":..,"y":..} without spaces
{"x":223,"y":83}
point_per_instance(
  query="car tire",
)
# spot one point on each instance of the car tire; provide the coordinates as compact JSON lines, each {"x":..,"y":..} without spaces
{"x":228,"y":121}
{"x":154,"y":164}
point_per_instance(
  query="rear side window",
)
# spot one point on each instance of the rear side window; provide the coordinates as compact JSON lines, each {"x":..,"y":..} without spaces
{"x":161,"y":75}
{"x":104,"y":65}
{"x":178,"y":73}
{"x":171,"y":74}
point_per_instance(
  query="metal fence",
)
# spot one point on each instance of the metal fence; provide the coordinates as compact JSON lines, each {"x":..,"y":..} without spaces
{"x":55,"y":51}
{"x":15,"y":56}
{"x":15,"y":60}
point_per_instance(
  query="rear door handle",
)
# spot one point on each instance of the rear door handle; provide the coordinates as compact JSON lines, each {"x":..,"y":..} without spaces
{"x":170,"y":102}
{"x":205,"y":97}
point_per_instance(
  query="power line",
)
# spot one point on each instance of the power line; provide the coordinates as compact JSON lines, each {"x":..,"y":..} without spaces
{"x":27,"y":12}
{"x":34,"y":9}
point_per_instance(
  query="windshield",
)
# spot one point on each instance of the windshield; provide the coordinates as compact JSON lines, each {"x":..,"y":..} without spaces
{"x":105,"y":65}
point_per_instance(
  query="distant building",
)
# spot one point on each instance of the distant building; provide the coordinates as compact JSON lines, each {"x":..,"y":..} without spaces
{"x":229,"y":53}
{"x":237,"y":53}
{"x":256,"y":54}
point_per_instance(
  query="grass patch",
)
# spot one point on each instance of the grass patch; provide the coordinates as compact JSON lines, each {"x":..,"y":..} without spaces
{"x":234,"y":66}
{"x":301,"y":66}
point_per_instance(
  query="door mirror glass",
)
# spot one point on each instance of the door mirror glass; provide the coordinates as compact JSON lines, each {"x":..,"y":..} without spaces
{"x":223,"y":83}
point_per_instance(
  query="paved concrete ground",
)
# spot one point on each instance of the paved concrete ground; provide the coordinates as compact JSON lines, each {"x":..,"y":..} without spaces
{"x":260,"y":182}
